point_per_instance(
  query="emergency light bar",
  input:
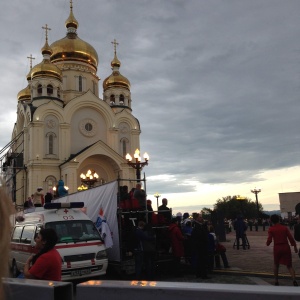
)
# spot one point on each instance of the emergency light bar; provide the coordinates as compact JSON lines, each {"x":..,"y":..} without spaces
{"x":63,"y":205}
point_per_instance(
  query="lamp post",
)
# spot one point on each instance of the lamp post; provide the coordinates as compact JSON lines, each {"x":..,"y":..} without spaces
{"x":256,"y":191}
{"x":242,"y":200}
{"x":157,"y":195}
{"x":89,"y":178}
{"x":137,"y":164}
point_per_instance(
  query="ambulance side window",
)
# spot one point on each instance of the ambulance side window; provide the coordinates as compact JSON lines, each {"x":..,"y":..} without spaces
{"x":28,"y":234}
{"x":17,"y":234}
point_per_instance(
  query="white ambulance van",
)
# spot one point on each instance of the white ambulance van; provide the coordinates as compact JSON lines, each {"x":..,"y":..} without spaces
{"x":82,"y":251}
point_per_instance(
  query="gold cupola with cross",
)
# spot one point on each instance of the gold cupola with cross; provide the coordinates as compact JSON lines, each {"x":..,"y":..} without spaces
{"x":116,"y":87}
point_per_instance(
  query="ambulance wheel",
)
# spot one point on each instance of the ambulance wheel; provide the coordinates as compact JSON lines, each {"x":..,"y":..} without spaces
{"x":14,"y":270}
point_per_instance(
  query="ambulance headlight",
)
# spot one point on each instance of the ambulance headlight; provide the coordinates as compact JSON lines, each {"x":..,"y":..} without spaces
{"x":101,"y":255}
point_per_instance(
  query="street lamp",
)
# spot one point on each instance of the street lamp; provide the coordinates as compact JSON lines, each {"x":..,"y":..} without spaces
{"x":242,"y":200}
{"x":137,"y":165}
{"x":256,"y":191}
{"x":157,"y":195}
{"x":89,"y":178}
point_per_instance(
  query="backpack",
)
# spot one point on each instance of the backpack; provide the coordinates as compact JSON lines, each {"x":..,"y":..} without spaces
{"x":297,"y":232}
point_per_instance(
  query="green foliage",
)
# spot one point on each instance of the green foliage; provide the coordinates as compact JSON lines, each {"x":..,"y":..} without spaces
{"x":233,"y":206}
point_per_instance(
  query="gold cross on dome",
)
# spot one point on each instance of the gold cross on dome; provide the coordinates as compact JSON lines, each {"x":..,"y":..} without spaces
{"x":115,"y":45}
{"x":31,"y":59}
{"x":46,"y":30}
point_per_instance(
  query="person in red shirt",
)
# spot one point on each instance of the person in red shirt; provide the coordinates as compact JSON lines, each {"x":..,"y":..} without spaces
{"x":282,"y":252}
{"x":46,"y":264}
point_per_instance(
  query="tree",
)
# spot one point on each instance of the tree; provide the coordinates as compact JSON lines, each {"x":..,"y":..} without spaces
{"x":236,"y":205}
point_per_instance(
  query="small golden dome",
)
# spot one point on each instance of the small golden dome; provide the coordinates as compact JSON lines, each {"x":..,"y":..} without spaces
{"x":46,"y":69}
{"x":116,"y":80}
{"x":71,"y":21}
{"x":24,"y":94}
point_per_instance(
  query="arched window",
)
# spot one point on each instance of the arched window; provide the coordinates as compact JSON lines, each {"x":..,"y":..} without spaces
{"x":49,"y":89}
{"x":124,"y":147}
{"x":112,"y":99}
{"x":121,"y":99}
{"x":80,"y":83}
{"x":39,"y":90}
{"x":51,"y":144}
{"x":51,"y":147}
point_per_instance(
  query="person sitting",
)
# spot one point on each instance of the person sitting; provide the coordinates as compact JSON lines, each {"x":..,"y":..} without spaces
{"x":46,"y":264}
{"x":61,"y":190}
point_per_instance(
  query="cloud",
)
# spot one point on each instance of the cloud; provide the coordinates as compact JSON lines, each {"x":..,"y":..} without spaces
{"x":215,"y":85}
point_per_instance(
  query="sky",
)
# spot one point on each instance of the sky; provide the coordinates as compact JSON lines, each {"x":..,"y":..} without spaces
{"x":214,"y":85}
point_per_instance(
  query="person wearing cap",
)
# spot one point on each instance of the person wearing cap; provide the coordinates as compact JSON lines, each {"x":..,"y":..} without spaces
{"x":38,"y":197}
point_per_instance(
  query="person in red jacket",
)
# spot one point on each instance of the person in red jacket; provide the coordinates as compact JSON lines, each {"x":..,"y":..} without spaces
{"x":177,"y":239}
{"x":282,"y":252}
{"x":46,"y":264}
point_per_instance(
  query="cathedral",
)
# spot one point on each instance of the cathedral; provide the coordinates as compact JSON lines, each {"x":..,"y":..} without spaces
{"x":63,"y":127}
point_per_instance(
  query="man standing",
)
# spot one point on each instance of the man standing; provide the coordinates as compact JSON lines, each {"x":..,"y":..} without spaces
{"x":140,"y":195}
{"x":165,"y":211}
{"x":38,"y":198}
{"x":199,"y":244}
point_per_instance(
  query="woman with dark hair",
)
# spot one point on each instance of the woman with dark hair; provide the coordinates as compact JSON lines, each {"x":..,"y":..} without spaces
{"x":46,"y":264}
{"x":282,"y":252}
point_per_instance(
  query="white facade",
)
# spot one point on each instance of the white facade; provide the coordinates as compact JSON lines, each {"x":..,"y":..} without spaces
{"x":66,"y":129}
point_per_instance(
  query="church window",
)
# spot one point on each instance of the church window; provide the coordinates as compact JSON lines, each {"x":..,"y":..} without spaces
{"x":112,"y":99}
{"x":49,"y":89}
{"x":51,"y":144}
{"x":124,"y":146}
{"x":88,"y":127}
{"x":51,"y":147}
{"x":39,"y":90}
{"x":80,"y":83}
{"x":121,"y":99}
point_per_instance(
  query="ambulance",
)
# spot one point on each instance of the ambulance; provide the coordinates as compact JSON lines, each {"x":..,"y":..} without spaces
{"x":80,"y":246}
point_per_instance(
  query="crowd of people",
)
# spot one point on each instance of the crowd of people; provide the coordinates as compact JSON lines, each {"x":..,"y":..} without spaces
{"x":187,"y":238}
{"x":184,"y":237}
{"x":39,"y":198}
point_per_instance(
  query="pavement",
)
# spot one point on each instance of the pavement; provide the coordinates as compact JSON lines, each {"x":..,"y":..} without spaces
{"x":253,"y":266}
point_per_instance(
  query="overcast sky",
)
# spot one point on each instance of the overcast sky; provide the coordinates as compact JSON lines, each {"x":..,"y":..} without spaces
{"x":214,"y":84}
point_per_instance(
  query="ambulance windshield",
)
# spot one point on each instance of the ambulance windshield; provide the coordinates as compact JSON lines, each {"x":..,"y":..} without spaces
{"x":75,"y":231}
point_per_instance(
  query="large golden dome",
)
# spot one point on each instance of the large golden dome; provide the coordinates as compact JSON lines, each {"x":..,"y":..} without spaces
{"x":116,"y":79}
{"x":72,"y":48}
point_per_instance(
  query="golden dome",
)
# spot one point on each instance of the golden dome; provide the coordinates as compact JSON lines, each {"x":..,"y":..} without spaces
{"x":116,"y":79}
{"x":46,"y":68}
{"x":71,"y":47}
{"x":24,"y":94}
